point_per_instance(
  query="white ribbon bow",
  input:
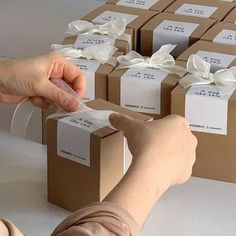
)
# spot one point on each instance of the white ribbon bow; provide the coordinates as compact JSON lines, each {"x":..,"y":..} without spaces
{"x":161,"y":60}
{"x":112,"y":28}
{"x":101,"y":52}
{"x":199,"y":74}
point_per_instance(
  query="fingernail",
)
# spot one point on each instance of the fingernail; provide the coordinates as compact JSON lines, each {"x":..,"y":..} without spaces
{"x":114,"y":117}
{"x":72,"y":104}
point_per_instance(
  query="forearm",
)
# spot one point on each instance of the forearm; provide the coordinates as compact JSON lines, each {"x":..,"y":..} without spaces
{"x":139,"y":190}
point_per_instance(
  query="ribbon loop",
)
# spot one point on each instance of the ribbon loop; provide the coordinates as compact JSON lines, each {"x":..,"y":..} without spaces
{"x":199,"y":74}
{"x":112,"y":28}
{"x":101,"y":53}
{"x":160,"y":60}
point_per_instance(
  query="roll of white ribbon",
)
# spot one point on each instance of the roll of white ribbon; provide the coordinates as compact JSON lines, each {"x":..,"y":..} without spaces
{"x":199,"y":74}
{"x":161,"y":60}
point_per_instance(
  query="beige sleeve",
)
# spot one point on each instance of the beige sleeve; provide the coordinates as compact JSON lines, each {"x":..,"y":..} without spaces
{"x":8,"y":229}
{"x":100,"y":219}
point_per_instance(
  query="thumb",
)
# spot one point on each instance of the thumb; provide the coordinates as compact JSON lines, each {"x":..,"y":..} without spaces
{"x":121,"y":122}
{"x":61,"y":98}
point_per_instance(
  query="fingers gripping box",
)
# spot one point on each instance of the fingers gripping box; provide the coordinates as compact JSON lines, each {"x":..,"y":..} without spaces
{"x":173,"y":29}
{"x":85,"y":158}
{"x":135,"y":18}
{"x":222,"y":32}
{"x":154,"y":5}
{"x":201,"y":8}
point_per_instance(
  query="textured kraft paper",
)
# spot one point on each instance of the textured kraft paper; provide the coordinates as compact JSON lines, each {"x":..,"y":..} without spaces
{"x":121,"y":45}
{"x":159,"y":6}
{"x":210,"y":47}
{"x":231,"y":18}
{"x":146,"y":47}
{"x":167,"y":85}
{"x":216,"y":154}
{"x":216,"y":29}
{"x":72,"y":185}
{"x":135,"y":25}
{"x":223,"y":7}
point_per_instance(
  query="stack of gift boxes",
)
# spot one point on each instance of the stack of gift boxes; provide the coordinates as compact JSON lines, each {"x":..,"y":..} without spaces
{"x":170,"y":57}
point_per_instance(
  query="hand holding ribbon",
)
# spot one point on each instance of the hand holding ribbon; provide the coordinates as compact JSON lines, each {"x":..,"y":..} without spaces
{"x":101,"y":53}
{"x":161,"y":60}
{"x":199,"y":74}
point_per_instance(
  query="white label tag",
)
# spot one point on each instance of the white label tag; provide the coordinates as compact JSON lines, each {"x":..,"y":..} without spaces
{"x":144,"y":4}
{"x":140,"y":90}
{"x":89,"y":67}
{"x":218,"y":61}
{"x":107,"y":16}
{"x":226,"y":37}
{"x":173,"y":32}
{"x":84,"y":41}
{"x":196,"y":10}
{"x":207,"y":110}
{"x":73,"y":138}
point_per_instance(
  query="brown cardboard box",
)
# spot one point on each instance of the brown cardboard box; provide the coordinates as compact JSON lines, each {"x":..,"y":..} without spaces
{"x":137,"y":96}
{"x":155,"y":5}
{"x":222,"y":32}
{"x":122,"y":45}
{"x":136,"y":18}
{"x":175,"y":29}
{"x":219,"y":55}
{"x":216,"y":154}
{"x":201,"y":8}
{"x":231,"y":18}
{"x":71,"y":184}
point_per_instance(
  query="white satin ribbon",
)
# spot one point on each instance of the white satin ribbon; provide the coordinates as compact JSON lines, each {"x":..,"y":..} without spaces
{"x":25,"y":109}
{"x":112,"y":28}
{"x":199,"y":74}
{"x":101,"y":53}
{"x":161,"y":60}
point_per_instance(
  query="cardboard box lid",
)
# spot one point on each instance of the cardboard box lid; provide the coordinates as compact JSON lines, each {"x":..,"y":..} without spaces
{"x":143,"y":15}
{"x":160,"y":5}
{"x":216,"y":29}
{"x":100,"y":104}
{"x":223,"y":7}
{"x":231,"y":18}
{"x":207,"y":46}
{"x":204,"y":24}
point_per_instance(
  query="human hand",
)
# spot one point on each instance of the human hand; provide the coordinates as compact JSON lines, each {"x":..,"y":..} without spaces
{"x":164,"y":146}
{"x":31,"y":77}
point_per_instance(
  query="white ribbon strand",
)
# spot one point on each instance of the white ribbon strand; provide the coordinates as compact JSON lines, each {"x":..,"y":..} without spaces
{"x":161,"y":60}
{"x":112,"y":28}
{"x":101,"y":53}
{"x":199,"y":74}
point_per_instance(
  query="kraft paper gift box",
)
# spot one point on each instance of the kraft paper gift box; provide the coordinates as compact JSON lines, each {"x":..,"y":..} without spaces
{"x":201,"y":8}
{"x":135,"y":18}
{"x":212,"y":117}
{"x":143,"y":88}
{"x":222,"y":32}
{"x":231,"y":18}
{"x":175,"y":29}
{"x":220,"y":56}
{"x":85,"y":159}
{"x":83,"y":34}
{"x":154,"y":5}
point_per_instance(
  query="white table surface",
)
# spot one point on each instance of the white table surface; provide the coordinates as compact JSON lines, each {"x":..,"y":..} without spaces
{"x":198,"y":208}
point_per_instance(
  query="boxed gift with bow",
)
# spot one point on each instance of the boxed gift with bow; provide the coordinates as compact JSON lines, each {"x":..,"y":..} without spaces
{"x":82,"y":34}
{"x":144,"y":84}
{"x":201,"y":8}
{"x":222,"y":32}
{"x":154,"y":5}
{"x":174,"y":29}
{"x":208,"y":101}
{"x":85,"y":155}
{"x":220,"y":56}
{"x":231,"y":18}
{"x":135,"y":18}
